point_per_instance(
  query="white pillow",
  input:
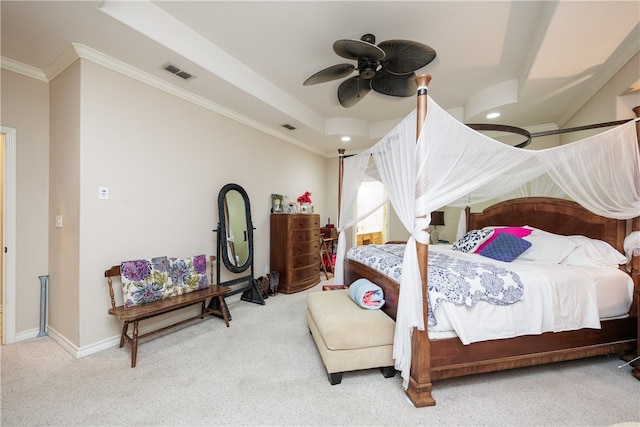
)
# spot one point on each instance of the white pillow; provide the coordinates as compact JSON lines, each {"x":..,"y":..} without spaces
{"x":472,"y":240}
{"x":548,"y":248}
{"x":592,"y":252}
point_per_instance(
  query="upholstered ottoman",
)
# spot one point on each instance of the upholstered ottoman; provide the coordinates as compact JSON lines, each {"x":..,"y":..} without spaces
{"x":349,"y":337}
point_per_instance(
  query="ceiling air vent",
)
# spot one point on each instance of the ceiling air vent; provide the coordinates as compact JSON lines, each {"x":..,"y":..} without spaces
{"x":288,"y":126}
{"x":177,"y":71}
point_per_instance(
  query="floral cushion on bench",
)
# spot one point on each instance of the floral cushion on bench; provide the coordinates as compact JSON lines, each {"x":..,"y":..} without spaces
{"x":147,"y":280}
{"x":186,"y":275}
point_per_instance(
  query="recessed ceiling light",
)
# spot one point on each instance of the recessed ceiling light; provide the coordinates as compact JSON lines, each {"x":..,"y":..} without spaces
{"x":345,"y":138}
{"x":493,"y":115}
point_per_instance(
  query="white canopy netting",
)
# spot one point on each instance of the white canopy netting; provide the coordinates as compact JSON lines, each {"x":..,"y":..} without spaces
{"x":454,"y":165}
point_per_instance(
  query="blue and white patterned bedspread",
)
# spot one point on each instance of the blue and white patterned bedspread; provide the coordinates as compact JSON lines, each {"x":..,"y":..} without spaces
{"x":459,"y":281}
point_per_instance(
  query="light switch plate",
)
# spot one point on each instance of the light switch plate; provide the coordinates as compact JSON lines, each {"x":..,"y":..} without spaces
{"x":103,"y":193}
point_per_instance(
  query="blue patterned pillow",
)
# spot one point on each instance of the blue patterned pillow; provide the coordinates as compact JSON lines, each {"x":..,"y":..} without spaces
{"x":472,"y":240}
{"x":505,"y":247}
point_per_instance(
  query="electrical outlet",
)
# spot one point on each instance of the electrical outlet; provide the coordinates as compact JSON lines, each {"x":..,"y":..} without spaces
{"x":266,"y":269}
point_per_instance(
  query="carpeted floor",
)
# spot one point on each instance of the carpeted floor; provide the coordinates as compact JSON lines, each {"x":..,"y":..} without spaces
{"x":265,"y":370}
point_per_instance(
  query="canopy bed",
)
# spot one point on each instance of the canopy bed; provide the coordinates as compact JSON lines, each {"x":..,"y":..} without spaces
{"x":449,"y":164}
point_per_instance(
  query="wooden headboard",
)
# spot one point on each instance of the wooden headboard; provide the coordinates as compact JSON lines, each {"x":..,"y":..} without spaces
{"x":553,"y":215}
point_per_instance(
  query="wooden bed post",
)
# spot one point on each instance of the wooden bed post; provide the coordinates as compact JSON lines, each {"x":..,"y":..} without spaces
{"x":635,"y":270}
{"x":635,"y":261}
{"x":419,"y":389}
{"x":340,"y":177}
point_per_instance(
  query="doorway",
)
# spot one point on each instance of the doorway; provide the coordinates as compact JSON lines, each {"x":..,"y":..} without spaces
{"x":371,"y":230}
{"x":8,"y":234}
{"x":1,"y":234}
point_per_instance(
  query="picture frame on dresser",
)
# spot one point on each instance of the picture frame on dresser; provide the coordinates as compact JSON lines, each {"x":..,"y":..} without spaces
{"x":291,"y":208}
{"x":276,"y":203}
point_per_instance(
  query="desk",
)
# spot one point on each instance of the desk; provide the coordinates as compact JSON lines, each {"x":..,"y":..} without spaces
{"x":327,"y":258}
{"x":329,"y":232}
{"x":329,"y":236}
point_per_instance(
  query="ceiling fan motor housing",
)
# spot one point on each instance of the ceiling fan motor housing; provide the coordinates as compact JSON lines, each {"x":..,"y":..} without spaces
{"x":369,"y":38}
{"x":367,"y":68}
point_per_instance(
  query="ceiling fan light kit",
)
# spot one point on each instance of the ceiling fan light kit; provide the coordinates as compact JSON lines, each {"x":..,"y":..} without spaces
{"x":388,"y":68}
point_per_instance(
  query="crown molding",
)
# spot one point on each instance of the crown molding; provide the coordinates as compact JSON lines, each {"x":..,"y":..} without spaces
{"x":24,"y":69}
{"x":77,"y":50}
{"x":544,"y":127}
{"x":61,"y":63}
{"x":106,"y":61}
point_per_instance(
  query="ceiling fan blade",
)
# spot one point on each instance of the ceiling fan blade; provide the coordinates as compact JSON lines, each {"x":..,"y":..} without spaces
{"x":354,"y":49}
{"x":352,"y":90}
{"x":330,"y":73}
{"x":394,"y":85}
{"x":405,"y":56}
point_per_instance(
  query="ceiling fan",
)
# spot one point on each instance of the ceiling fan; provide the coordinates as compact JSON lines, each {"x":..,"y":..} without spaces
{"x":388,"y":68}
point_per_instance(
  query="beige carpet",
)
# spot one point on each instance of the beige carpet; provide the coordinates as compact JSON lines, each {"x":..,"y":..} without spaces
{"x":265,"y":370}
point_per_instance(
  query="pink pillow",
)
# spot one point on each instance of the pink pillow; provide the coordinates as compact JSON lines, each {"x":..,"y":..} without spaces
{"x":514,"y":231}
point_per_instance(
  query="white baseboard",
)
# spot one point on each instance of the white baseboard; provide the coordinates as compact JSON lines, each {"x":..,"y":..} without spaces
{"x":68,"y":345}
{"x":79,"y":352}
{"x":63,"y":341}
{"x":27,"y":335}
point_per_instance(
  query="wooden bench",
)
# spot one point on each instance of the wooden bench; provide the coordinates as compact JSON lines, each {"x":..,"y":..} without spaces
{"x":136,"y":313}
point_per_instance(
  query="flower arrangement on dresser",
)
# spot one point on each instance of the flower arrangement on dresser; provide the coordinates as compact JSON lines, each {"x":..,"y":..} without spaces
{"x":306,"y":205}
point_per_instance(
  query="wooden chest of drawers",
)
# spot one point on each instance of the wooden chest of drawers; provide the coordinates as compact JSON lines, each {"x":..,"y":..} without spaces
{"x":295,"y":250}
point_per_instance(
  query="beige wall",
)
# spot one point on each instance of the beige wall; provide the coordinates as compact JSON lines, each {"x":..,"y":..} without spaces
{"x":25,"y":107}
{"x":611,"y":103}
{"x":164,"y":161}
{"x":64,"y":200}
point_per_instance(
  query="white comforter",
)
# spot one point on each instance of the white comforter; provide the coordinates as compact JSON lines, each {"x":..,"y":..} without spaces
{"x":556,"y":298}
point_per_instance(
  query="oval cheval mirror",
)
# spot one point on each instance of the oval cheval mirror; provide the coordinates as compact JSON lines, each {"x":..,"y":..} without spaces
{"x":236,"y":229}
{"x":235,"y":243}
